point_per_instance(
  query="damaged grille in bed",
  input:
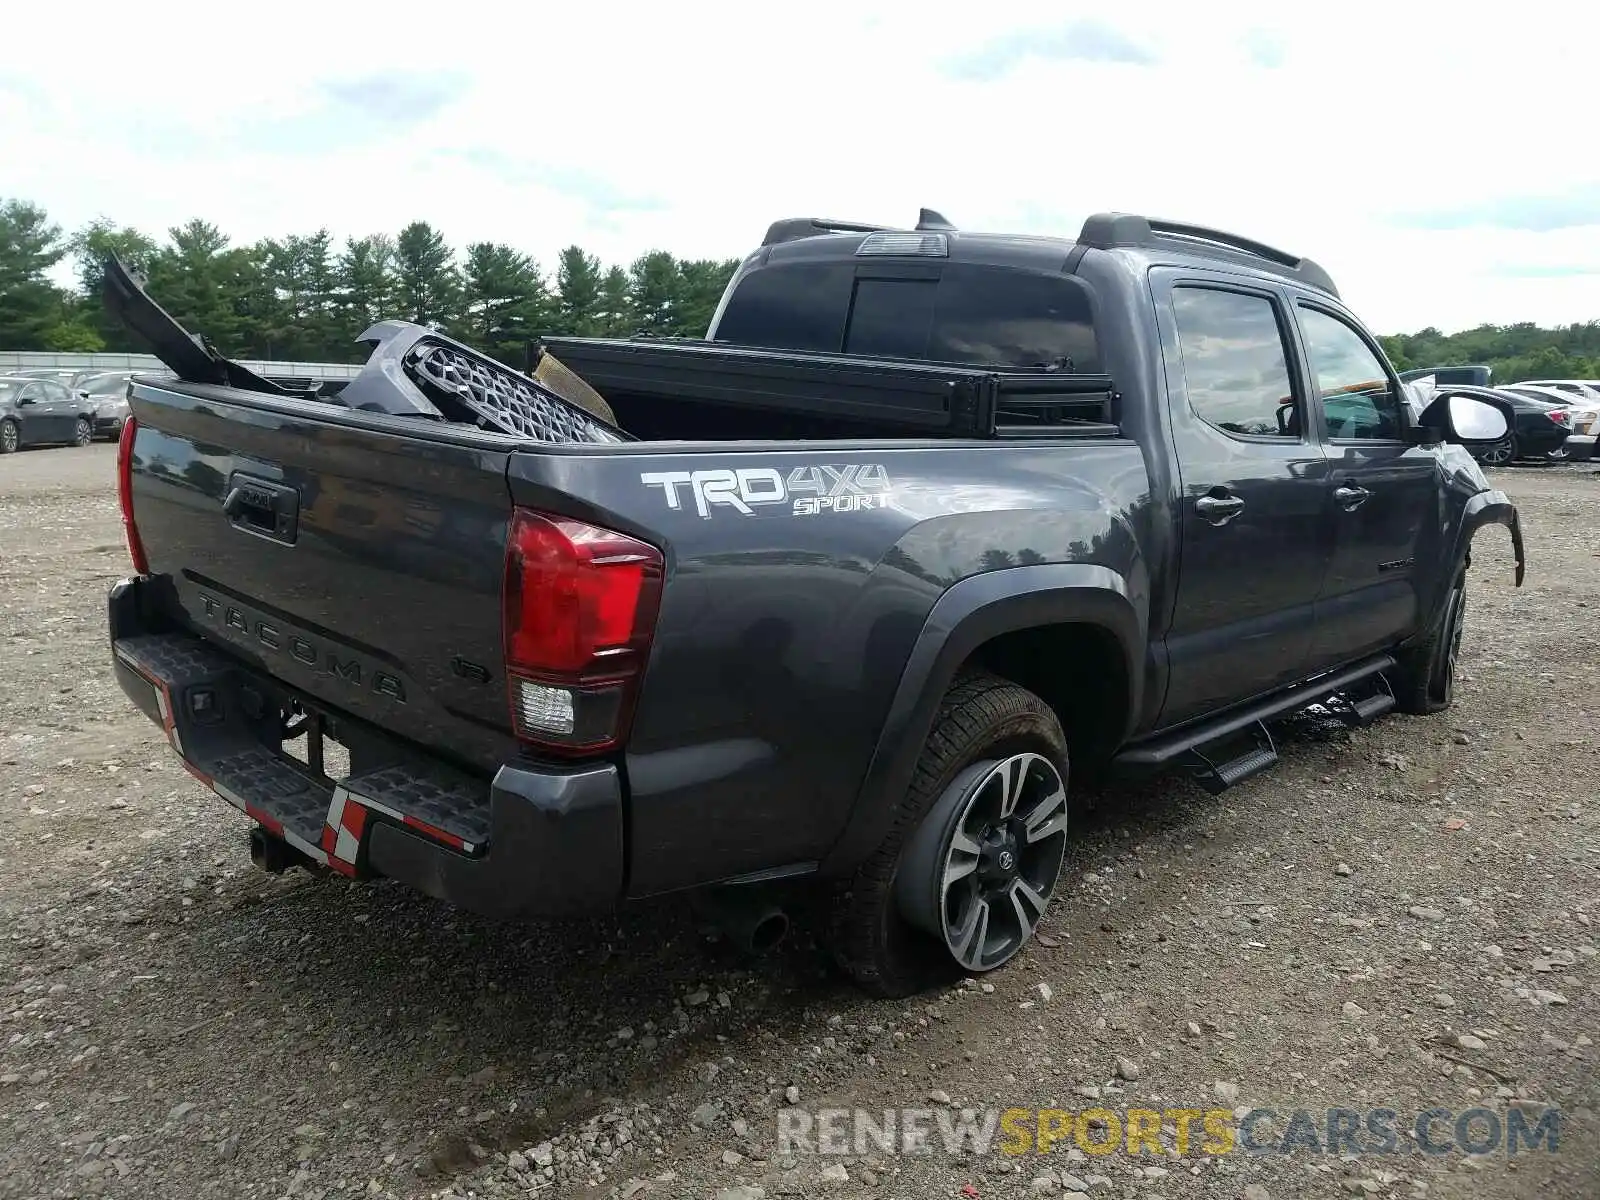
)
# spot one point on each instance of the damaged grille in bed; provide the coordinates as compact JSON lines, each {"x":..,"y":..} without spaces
{"x":499,"y":398}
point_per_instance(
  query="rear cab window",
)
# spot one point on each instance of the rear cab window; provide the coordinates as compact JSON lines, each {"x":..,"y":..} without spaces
{"x":964,"y":313}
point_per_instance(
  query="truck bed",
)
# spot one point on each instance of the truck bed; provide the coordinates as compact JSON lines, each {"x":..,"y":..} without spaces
{"x":662,"y":388}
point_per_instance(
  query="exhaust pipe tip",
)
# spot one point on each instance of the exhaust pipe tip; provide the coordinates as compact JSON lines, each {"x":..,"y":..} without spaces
{"x":768,"y":932}
{"x":751,"y":921}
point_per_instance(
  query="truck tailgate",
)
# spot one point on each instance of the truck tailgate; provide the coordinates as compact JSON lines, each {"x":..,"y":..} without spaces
{"x":358,"y":559}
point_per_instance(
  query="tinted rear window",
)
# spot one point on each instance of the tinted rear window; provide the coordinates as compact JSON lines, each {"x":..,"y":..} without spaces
{"x":796,"y":307}
{"x":974,"y":315}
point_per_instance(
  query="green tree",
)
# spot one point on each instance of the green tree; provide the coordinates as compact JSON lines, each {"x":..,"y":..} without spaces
{"x":301,"y":276}
{"x":615,"y":315}
{"x":367,"y":285}
{"x":704,"y":281}
{"x":197,"y":277}
{"x":656,"y":293}
{"x":504,"y":300}
{"x":32,"y":309}
{"x":90,"y":247}
{"x":578,"y":287}
{"x":429,"y":284}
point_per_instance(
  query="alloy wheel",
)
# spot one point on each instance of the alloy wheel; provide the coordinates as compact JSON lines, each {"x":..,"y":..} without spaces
{"x":994,"y":859}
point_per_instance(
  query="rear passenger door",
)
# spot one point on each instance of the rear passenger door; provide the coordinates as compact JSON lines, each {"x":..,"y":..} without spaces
{"x":60,"y":409}
{"x":1253,"y":507}
{"x":35,"y":420}
{"x":1386,"y":492}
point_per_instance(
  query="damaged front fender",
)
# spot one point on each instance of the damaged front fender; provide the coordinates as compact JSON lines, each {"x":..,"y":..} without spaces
{"x":1493,"y":507}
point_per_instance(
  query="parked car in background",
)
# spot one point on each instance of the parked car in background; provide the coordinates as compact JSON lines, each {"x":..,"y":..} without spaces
{"x":107,"y":393}
{"x":37,"y":412}
{"x":1582,"y":411}
{"x":1580,"y":389}
{"x":1477,"y":375}
{"x":1540,"y":430}
{"x":69,"y":376}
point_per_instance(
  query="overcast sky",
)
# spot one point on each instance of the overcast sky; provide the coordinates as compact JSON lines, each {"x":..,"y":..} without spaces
{"x":1442,"y":164}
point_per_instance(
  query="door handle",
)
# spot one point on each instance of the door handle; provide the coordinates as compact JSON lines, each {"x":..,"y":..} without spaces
{"x":1219,"y":510}
{"x":1350,"y":497}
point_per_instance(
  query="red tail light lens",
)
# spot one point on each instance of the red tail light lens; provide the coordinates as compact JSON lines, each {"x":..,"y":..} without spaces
{"x":130,"y":530}
{"x":579,"y":610}
{"x":1560,"y":416}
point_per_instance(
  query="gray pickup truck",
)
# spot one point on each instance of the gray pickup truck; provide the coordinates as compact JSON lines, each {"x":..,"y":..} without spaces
{"x":830,"y":609}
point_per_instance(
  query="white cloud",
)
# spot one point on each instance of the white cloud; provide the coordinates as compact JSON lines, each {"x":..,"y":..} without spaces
{"x":691,"y":128}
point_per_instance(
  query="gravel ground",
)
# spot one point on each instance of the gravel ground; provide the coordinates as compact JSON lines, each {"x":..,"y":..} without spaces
{"x":1404,"y":916}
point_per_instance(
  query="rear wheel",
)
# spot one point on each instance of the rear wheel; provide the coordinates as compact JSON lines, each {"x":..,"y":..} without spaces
{"x":10,"y":439}
{"x":969,"y":866}
{"x":82,"y":432}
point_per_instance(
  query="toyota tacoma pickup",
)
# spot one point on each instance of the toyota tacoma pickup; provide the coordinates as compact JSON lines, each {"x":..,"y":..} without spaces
{"x":837,"y":602}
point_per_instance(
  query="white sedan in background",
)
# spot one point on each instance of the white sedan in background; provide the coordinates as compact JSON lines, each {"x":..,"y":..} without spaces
{"x":1582,"y":403}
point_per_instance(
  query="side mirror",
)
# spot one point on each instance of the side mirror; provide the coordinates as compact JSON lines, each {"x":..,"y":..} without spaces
{"x":24,"y":400}
{"x":1466,"y":420}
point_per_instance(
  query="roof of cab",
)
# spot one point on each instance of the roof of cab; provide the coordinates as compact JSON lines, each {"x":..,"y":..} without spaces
{"x":817,"y":238}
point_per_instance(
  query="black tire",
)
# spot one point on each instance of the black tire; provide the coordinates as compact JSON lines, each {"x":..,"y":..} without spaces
{"x":10,"y":437}
{"x":1424,"y":680}
{"x":981,"y":717}
{"x":82,"y":432}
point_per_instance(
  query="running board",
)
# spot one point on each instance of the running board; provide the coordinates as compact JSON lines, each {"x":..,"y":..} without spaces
{"x":1364,"y":710}
{"x":1170,"y":747}
{"x":1217,"y":775}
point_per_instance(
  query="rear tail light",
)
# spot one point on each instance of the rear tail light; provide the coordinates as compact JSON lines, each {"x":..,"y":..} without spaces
{"x":130,"y":530}
{"x":1560,"y":416}
{"x":579,"y":610}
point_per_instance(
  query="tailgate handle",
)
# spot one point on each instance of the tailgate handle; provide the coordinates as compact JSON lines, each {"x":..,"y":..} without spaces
{"x":264,"y":508}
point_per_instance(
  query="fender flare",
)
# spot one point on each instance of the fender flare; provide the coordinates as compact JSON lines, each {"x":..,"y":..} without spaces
{"x":1488,"y":507}
{"x":966,"y":615}
{"x":1492,"y":507}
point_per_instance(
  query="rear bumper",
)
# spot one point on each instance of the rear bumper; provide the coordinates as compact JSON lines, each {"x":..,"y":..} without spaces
{"x":1581,"y":447}
{"x":533,"y":840}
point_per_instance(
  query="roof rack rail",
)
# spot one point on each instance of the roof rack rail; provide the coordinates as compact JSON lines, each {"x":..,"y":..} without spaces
{"x":1107,"y":230}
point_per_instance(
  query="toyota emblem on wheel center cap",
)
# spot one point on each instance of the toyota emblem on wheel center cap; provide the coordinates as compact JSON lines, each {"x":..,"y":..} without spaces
{"x":1007,"y":860}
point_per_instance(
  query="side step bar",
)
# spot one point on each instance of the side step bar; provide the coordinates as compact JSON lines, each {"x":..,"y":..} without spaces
{"x":1219,"y":775}
{"x":1167,"y":748}
{"x":1364,"y":710}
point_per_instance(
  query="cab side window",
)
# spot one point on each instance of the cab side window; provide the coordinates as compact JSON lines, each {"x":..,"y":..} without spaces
{"x":1359,"y":399}
{"x":1235,"y":366}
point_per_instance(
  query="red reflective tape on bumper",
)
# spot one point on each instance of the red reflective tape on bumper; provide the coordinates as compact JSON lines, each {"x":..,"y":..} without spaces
{"x":265,"y":819}
{"x":437,"y":834}
{"x":198,"y":774}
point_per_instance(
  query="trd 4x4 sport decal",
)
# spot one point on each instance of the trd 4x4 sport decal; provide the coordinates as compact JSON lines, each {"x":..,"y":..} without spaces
{"x":807,"y":490}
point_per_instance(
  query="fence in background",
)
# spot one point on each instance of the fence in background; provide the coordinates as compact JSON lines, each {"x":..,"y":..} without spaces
{"x":22,"y":360}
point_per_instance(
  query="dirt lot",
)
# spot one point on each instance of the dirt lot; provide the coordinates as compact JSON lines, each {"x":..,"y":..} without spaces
{"x":1403,"y":917}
